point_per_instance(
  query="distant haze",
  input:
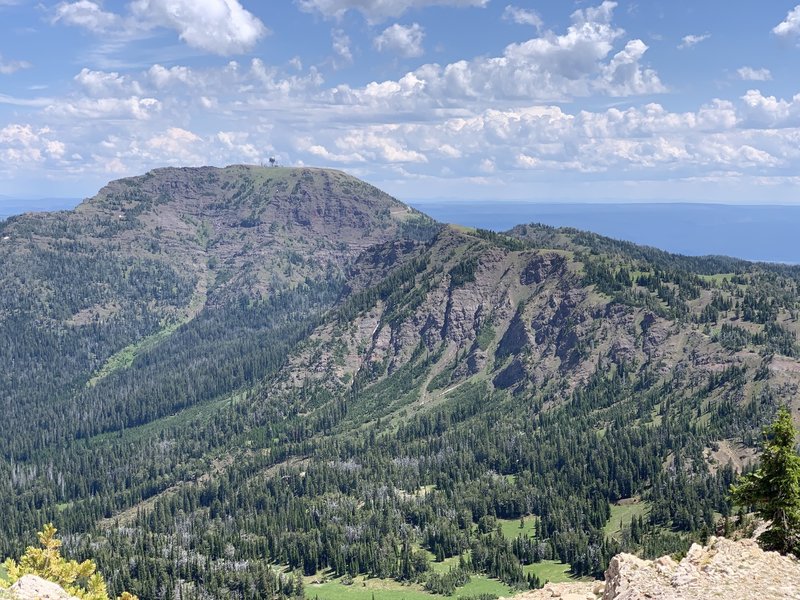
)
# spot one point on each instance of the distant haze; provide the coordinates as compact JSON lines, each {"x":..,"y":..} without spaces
{"x":11,"y":206}
{"x":763,"y":233}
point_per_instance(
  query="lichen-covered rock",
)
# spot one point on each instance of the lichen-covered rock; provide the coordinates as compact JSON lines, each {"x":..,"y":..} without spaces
{"x":32,"y":587}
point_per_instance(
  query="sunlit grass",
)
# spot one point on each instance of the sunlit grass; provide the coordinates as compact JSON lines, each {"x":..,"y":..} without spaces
{"x":549,"y":570}
{"x":622,"y":514}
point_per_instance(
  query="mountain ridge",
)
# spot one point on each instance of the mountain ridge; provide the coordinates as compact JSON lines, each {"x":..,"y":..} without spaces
{"x":297,"y":353}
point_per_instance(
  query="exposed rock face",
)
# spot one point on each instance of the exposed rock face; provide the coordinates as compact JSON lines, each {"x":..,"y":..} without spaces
{"x":722,"y":569}
{"x":31,"y":587}
{"x":541,"y":267}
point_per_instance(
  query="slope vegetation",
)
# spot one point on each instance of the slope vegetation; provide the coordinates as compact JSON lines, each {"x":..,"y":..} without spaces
{"x":244,"y":382}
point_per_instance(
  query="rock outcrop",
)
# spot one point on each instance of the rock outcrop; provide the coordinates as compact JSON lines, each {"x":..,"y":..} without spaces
{"x":733,"y":570}
{"x":31,"y":587}
{"x":565,"y":591}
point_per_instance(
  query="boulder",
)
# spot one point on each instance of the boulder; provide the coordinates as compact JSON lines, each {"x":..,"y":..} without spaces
{"x":32,"y":587}
{"x":725,"y":569}
{"x":733,"y":570}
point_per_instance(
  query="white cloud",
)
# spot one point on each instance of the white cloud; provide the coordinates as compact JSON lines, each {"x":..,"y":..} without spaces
{"x":40,"y":102}
{"x":55,"y":148}
{"x":689,"y":41}
{"x":24,"y":144}
{"x":523,"y":16}
{"x":307,"y":145}
{"x":769,"y":111}
{"x":176,"y":145}
{"x":270,"y":81}
{"x":751,"y":74}
{"x":404,"y":40}
{"x":753,"y":135}
{"x":114,"y":166}
{"x":790,"y":25}
{"x":107,"y":108}
{"x":87,"y":14}
{"x":499,"y":120}
{"x":103,"y":84}
{"x":341,"y":45}
{"x":220,"y":26}
{"x":376,"y":11}
{"x":551,"y":67}
{"x":380,"y":142}
{"x":233,"y":79}
{"x":624,"y":76}
{"x":238,"y":146}
{"x":7,"y":67}
{"x":163,"y":77}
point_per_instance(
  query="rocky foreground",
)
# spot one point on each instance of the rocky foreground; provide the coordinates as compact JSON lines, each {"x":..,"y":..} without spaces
{"x":31,"y":587}
{"x":733,"y":570}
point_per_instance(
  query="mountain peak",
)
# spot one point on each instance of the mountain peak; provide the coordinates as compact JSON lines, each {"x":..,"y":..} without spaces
{"x":236,"y":224}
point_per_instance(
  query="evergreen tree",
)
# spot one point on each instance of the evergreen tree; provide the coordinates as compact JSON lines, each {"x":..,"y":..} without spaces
{"x":774,"y":488}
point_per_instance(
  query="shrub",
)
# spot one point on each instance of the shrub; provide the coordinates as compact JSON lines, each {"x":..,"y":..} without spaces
{"x":79,"y":579}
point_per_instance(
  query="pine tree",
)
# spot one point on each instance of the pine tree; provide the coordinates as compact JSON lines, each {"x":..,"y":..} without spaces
{"x":774,"y":488}
{"x":79,"y":579}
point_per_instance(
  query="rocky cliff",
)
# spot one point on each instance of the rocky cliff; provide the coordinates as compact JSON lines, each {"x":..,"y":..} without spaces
{"x":734,"y":570}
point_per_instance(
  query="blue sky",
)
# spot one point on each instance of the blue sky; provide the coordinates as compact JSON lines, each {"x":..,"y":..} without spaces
{"x":470,"y":99}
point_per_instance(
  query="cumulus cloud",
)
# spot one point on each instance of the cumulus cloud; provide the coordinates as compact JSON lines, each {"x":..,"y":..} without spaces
{"x":7,"y":67}
{"x":790,"y":26}
{"x":522,"y":16}
{"x":494,"y":119}
{"x":163,"y":77}
{"x":753,"y":134}
{"x":307,"y":145}
{"x":403,"y":40}
{"x":550,"y":67}
{"x":24,"y":143}
{"x":101,"y":83}
{"x":769,"y":111}
{"x":376,"y":11}
{"x":87,"y":14}
{"x":624,"y":76}
{"x":751,"y":74}
{"x":689,"y":41}
{"x":176,"y":143}
{"x":379,"y":142}
{"x":546,"y":138}
{"x":221,"y":27}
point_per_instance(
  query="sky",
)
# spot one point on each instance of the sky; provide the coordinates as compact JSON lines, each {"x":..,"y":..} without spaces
{"x":549,"y":100}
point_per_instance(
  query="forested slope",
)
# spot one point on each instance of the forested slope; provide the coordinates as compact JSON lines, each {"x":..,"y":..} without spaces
{"x":236,"y":382}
